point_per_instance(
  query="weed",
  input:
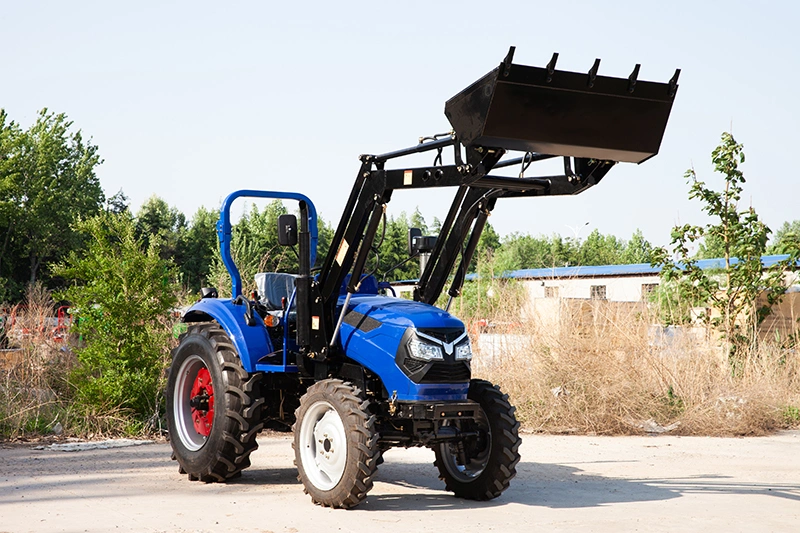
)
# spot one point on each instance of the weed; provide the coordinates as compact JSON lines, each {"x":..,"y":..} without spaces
{"x":791,"y":414}
{"x":608,"y":368}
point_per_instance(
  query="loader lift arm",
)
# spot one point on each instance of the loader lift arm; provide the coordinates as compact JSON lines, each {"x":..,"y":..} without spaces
{"x":591,"y":121}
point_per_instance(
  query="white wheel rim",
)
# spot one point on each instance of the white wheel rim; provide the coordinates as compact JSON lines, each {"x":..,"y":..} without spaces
{"x":187,"y":434}
{"x":323,"y":444}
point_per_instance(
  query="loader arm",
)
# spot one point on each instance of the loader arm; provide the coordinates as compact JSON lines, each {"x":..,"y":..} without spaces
{"x":590,"y":121}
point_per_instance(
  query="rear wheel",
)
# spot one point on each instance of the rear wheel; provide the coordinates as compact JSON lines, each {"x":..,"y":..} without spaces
{"x":481,"y":467}
{"x":335,"y":444}
{"x":213,"y":409}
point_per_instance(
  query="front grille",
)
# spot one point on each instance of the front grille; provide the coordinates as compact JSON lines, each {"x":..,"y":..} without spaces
{"x":447,"y":373}
{"x":446,"y":335}
{"x":448,"y":370}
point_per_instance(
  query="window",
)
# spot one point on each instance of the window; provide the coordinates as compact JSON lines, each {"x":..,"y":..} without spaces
{"x":551,"y":292}
{"x":598,"y":292}
{"x":647,"y":290}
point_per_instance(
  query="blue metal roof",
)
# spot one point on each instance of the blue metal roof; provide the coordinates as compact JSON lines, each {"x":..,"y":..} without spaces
{"x":617,"y":270}
{"x":582,"y":271}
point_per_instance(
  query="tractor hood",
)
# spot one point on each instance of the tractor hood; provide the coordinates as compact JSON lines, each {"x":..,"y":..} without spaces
{"x":400,"y":313}
{"x":376,"y":331}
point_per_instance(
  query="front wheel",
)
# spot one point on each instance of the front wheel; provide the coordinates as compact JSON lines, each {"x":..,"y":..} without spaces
{"x":480,"y":467}
{"x":335,"y":444}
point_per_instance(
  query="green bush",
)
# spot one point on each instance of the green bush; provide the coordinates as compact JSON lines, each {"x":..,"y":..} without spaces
{"x":791,"y":415}
{"x":121,"y":295}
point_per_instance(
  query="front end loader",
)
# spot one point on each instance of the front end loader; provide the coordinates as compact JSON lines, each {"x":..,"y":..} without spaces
{"x":354,"y":371}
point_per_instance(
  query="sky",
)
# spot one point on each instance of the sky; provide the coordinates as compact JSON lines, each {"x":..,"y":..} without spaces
{"x":193,"y":100}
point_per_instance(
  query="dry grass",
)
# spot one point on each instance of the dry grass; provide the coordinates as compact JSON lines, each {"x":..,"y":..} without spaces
{"x":600,"y":367}
{"x":577,"y":366}
{"x":33,"y":368}
{"x":36,"y":397}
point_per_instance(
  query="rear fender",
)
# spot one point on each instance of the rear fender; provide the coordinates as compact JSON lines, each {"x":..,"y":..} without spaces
{"x":251,"y":342}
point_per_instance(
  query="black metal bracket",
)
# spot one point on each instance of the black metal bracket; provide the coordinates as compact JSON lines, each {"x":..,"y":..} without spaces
{"x":248,"y":313}
{"x":527,"y":159}
{"x":568,"y":168}
{"x":633,"y":77}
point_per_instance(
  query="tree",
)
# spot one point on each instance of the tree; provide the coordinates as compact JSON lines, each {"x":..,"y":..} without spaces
{"x":9,"y":132}
{"x":520,"y":251}
{"x":417,"y":220}
{"x":524,"y":251}
{"x":118,"y":203}
{"x":198,"y":246}
{"x":394,"y":249}
{"x":488,"y":245}
{"x":159,"y":222}
{"x":599,"y":249}
{"x":787,"y":238}
{"x":436,"y":226}
{"x":638,"y":249}
{"x":47,"y":182}
{"x":325,"y":233}
{"x":734,"y":290}
{"x":121,"y":294}
{"x":711,"y":247}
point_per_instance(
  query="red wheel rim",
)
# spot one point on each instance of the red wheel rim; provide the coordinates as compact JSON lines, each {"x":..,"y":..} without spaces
{"x":202,"y":402}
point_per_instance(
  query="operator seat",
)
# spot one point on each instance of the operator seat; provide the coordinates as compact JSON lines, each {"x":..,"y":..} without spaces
{"x":273,"y":287}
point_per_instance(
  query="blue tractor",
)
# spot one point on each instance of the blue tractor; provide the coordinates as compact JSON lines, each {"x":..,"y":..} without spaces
{"x":355,"y":372}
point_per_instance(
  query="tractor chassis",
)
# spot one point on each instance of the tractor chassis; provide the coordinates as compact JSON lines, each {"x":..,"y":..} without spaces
{"x":426,"y":424}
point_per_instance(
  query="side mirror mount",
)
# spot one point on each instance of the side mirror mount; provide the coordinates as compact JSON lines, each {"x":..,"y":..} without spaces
{"x":413,"y":235}
{"x":287,"y":230}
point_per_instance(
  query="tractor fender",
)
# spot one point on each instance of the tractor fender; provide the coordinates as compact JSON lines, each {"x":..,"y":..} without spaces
{"x":251,"y":341}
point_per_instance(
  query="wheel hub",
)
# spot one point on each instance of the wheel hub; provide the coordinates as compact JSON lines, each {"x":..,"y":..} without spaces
{"x":324,"y":453}
{"x":467,"y":458}
{"x":202,"y":402}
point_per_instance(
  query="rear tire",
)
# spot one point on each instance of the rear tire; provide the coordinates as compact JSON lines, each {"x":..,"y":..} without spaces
{"x":335,"y":444}
{"x":213,"y":406}
{"x":492,"y":457}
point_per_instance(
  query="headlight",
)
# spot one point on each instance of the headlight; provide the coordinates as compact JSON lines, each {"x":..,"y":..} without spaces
{"x":464,"y":351}
{"x":424,"y":351}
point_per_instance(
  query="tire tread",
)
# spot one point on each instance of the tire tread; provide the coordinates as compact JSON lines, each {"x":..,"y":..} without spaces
{"x":242,"y":405}
{"x":503,"y":461}
{"x":360,"y":424}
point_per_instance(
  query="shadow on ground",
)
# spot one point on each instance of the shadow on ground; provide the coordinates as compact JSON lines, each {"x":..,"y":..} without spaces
{"x":406,"y":486}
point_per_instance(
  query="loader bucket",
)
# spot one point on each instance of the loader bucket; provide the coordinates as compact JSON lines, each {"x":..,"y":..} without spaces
{"x":563,"y":113}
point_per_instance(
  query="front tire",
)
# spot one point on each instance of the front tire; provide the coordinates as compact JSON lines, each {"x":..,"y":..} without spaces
{"x":335,"y":444}
{"x":213,"y":409}
{"x":481,"y":468}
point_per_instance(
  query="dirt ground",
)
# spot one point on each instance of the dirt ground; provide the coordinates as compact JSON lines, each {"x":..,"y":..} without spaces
{"x":564,"y":483}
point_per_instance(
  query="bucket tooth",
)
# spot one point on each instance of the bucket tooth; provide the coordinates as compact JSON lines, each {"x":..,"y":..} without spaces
{"x":633,"y":77}
{"x":551,"y":67}
{"x":593,"y":72}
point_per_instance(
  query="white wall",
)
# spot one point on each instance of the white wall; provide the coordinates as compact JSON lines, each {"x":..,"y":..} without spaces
{"x":618,"y":289}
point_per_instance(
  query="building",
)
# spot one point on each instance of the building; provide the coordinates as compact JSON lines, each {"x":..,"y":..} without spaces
{"x":586,"y":294}
{"x":614,"y":283}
